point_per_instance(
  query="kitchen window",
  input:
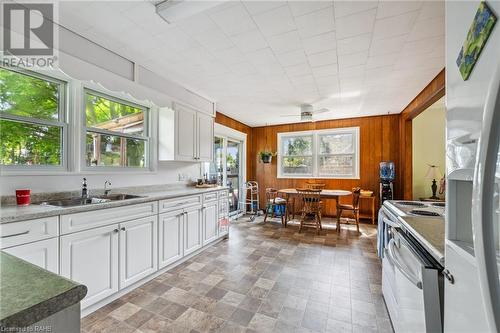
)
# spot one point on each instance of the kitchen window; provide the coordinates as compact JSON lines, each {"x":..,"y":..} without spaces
{"x":332,"y":153}
{"x":32,"y":121}
{"x":116,"y":132}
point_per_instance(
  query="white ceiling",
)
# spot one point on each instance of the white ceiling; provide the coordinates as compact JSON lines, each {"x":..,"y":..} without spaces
{"x":262,"y":59}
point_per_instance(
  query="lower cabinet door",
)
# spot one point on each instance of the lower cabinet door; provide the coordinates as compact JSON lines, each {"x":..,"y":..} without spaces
{"x":170,"y":238}
{"x":210,"y":222}
{"x":138,"y":249}
{"x":44,"y":253}
{"x":192,"y":230}
{"x":91,"y":258}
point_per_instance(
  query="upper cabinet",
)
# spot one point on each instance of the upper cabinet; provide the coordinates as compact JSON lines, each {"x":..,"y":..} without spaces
{"x":185,"y":134}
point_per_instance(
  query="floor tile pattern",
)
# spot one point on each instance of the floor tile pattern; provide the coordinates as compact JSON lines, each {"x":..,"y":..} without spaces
{"x":264,"y":278}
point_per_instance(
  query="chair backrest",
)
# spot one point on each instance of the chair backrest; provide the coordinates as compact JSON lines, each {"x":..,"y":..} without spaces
{"x":315,"y":186}
{"x":310,"y":199}
{"x":271,"y":194}
{"x":355,"y":196}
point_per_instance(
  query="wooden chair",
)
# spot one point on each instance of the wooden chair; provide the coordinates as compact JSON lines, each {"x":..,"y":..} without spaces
{"x":272,"y":201}
{"x":354,"y":208}
{"x":315,"y":186}
{"x":311,"y":208}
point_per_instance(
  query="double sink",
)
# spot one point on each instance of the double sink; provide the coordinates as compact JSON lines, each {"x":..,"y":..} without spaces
{"x":72,"y":202}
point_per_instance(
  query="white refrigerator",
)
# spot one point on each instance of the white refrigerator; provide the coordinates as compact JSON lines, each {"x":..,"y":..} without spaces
{"x":472,"y":257}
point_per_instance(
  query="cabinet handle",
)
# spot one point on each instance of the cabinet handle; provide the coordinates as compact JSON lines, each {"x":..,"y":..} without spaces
{"x":449,"y":276}
{"x":122,"y":228}
{"x":116,"y":230}
{"x":18,"y":234}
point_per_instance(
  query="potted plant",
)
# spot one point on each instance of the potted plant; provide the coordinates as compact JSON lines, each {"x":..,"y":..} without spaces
{"x":266,"y":156}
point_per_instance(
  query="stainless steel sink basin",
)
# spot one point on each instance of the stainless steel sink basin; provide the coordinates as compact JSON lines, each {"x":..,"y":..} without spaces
{"x":88,"y":201}
{"x":119,"y":196}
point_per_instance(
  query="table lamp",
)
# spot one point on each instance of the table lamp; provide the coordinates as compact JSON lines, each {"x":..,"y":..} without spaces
{"x":433,"y":173}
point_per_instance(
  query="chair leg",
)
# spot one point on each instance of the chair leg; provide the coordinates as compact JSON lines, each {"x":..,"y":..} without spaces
{"x":339,"y":212}
{"x":318,"y":223}
{"x":282,"y":211}
{"x":266,"y":213}
{"x":301,"y":222}
{"x":357,"y":221}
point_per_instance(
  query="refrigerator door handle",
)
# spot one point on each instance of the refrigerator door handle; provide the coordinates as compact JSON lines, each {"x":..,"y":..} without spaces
{"x":389,"y":252}
{"x":482,"y":205}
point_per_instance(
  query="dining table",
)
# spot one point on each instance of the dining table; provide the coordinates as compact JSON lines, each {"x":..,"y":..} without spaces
{"x":325,"y":194}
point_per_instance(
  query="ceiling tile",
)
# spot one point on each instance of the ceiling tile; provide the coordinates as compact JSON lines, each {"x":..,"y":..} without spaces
{"x":233,"y":20}
{"x":394,"y":8}
{"x":197,"y":24}
{"x":214,"y":40}
{"x":263,"y":56}
{"x":382,"y":60}
{"x":177,"y":39}
{"x":292,"y":58}
{"x":323,"y":58}
{"x":354,"y":44}
{"x":298,"y":70}
{"x":249,"y":41}
{"x":256,"y":7}
{"x":327,"y":80}
{"x":388,"y":45}
{"x":353,"y":59}
{"x":356,"y":24}
{"x":275,"y":21}
{"x":304,"y":7}
{"x":320,"y":43}
{"x":242,"y":68}
{"x":326,"y":70}
{"x":286,"y":42}
{"x":315,"y":23}
{"x":394,"y":26}
{"x":231,"y":55}
{"x":344,"y":8}
{"x":431,"y":9}
{"x":427,"y":28}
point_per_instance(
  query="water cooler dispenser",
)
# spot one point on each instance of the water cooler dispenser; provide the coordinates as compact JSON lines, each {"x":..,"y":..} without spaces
{"x":387,"y":176}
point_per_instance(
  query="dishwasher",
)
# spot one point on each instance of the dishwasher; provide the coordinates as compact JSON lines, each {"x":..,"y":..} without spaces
{"x":412,"y":284}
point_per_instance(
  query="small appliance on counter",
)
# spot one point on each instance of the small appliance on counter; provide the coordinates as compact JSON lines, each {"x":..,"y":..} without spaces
{"x":387,"y":176}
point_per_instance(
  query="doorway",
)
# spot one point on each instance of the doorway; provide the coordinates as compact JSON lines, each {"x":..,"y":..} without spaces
{"x":227,"y":169}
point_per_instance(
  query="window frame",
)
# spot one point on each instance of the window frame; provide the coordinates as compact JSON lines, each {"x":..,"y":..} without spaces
{"x":281,"y":156}
{"x":147,"y":136}
{"x":316,"y":154}
{"x":62,"y":123}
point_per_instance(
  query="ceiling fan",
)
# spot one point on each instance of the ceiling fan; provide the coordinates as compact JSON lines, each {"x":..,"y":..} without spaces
{"x":307,"y":112}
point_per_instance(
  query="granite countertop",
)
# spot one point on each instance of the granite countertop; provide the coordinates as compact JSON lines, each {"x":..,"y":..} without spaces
{"x":13,"y":213}
{"x":29,"y":293}
{"x":429,"y":231}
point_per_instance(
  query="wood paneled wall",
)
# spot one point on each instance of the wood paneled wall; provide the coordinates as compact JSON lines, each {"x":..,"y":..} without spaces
{"x":378,"y":142}
{"x":222,"y":119}
{"x":428,"y":96}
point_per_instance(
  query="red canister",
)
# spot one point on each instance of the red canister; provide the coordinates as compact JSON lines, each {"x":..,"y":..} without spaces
{"x":23,"y":197}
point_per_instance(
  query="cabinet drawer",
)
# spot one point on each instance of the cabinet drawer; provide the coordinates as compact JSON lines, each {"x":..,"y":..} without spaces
{"x":212,"y":196}
{"x":17,"y":233}
{"x":177,"y":203}
{"x":223,"y":194}
{"x":86,"y":220}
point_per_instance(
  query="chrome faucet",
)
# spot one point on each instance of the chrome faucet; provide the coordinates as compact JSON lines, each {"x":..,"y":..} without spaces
{"x":106,"y":190}
{"x":84,"y":189}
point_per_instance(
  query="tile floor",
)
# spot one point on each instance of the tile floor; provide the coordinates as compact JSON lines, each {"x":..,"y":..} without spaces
{"x":264,"y":278}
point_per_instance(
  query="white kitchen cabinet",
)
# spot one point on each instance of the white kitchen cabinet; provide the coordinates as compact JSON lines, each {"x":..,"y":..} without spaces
{"x":44,"y":253}
{"x":205,"y":141}
{"x":210,"y":222}
{"x":185,"y":134}
{"x":91,"y":258}
{"x":138,"y":249}
{"x":171,"y":234}
{"x":192,"y":229}
{"x":194,"y":134}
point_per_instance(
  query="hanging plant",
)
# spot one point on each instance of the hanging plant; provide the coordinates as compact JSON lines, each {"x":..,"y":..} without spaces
{"x":266,"y":156}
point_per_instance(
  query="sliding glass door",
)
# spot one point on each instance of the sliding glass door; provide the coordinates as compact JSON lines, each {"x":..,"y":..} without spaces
{"x":226,"y":169}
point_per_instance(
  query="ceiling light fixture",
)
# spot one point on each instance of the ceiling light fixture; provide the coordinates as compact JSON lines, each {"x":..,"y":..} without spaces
{"x":175,"y":10}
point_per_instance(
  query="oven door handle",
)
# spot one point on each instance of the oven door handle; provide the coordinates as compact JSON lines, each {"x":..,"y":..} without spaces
{"x":389,"y":252}
{"x":390,"y":223}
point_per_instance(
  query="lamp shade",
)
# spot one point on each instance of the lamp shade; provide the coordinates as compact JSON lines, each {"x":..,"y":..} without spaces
{"x":433,"y":172}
